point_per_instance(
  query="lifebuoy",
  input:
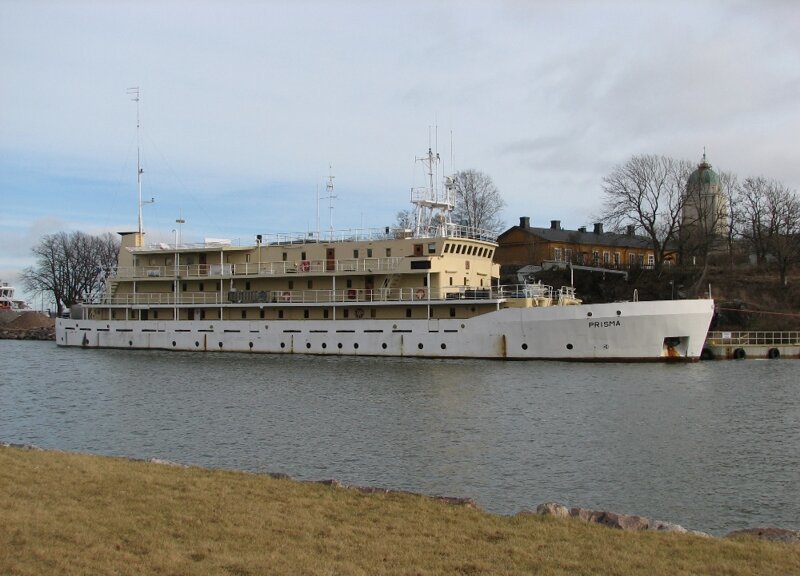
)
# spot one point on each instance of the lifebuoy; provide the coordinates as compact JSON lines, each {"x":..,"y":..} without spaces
{"x":420,"y":293}
{"x":359,"y":313}
{"x":286,"y":296}
{"x":351,"y":294}
{"x":305,"y":266}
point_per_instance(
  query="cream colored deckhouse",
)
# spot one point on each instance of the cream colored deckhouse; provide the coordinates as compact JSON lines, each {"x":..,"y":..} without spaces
{"x":429,"y":291}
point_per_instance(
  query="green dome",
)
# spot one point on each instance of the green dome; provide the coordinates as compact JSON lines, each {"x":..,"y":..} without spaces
{"x":704,"y":175}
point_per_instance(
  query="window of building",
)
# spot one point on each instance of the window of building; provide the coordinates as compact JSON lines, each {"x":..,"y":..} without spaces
{"x":606,"y":258}
{"x":651,"y":260}
{"x":595,"y":258}
{"x":557,"y":254}
{"x":617,"y":258}
{"x":568,"y":254}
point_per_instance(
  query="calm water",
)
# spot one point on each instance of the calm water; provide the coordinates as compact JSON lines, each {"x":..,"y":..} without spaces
{"x":713,"y":446}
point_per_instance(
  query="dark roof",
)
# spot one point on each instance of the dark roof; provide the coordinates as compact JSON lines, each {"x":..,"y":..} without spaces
{"x":576,"y":237}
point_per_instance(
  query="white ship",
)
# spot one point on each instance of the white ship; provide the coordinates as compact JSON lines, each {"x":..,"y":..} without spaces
{"x":8,"y":300}
{"x":428,"y":291}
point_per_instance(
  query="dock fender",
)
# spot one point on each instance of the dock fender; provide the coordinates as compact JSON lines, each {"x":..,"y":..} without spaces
{"x":707,"y":354}
{"x":739,"y":354}
{"x":773,"y":353}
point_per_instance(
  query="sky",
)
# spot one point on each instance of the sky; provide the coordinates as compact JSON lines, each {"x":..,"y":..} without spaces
{"x":246,"y":107}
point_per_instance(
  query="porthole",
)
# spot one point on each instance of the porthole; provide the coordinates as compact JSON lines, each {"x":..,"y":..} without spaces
{"x":220,"y":344}
{"x":324,"y":345}
{"x":463,"y":326}
{"x":419,"y":345}
{"x":251,"y":345}
{"x":383,"y":345}
{"x":589,"y":314}
{"x":283,"y":344}
{"x":619,"y":312}
{"x":308,"y":345}
{"x":174,"y":343}
{"x":339,"y":345}
{"x":355,"y":345}
{"x":524,"y":346}
{"x":444,"y":346}
{"x":130,"y":342}
{"x":196,"y":344}
{"x":569,"y":346}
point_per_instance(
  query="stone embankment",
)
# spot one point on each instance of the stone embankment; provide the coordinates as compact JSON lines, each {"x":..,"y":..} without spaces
{"x":26,"y":325}
{"x":634,"y":523}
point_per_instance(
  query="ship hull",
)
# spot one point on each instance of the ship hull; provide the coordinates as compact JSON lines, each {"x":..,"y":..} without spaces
{"x":625,"y":331}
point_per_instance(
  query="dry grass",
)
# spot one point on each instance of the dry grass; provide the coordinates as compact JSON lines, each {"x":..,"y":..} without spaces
{"x":77,"y":514}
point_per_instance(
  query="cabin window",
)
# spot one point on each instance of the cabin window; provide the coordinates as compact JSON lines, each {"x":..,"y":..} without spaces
{"x":349,"y":283}
{"x":261,"y":313}
{"x":285,"y":256}
{"x":369,"y":252}
{"x":346,"y":313}
{"x":373,"y":313}
{"x":155,"y":314}
{"x":247,"y":285}
{"x":216,"y":286}
{"x":490,"y":253}
{"x":355,"y":253}
{"x":202,"y":314}
{"x":172,"y":287}
{"x":291,"y":284}
{"x":465,"y":281}
{"x":418,"y":250}
{"x":247,"y":258}
{"x":408,"y":312}
{"x":305,"y":313}
{"x":200,"y":288}
{"x":325,"y":313}
{"x":446,"y":248}
{"x":388,"y":252}
{"x":432,"y":248}
{"x":183,"y":287}
{"x":310,"y":284}
{"x":425,"y":281}
{"x":152,"y":261}
{"x":302,"y":255}
{"x":113,"y":314}
{"x":280,"y":314}
{"x":451,"y":280}
{"x":244,"y":314}
{"x":452,"y":312}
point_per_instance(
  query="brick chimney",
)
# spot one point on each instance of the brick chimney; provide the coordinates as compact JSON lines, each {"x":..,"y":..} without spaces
{"x":555,"y":224}
{"x":598,"y":227}
{"x":524,"y":222}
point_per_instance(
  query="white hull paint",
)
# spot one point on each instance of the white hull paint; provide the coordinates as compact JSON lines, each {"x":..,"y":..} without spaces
{"x":624,"y":331}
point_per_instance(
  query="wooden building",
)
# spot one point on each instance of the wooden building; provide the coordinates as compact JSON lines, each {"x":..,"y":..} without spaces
{"x":524,"y":244}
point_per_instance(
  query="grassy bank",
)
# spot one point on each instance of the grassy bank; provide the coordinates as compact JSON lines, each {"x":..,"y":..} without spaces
{"x":77,"y":514}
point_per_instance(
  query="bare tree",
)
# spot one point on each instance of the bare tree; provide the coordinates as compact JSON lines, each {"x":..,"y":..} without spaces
{"x":770,"y":223}
{"x":405,"y":219}
{"x":647,"y":192}
{"x":478,"y":201}
{"x":73,"y":267}
{"x":729,"y":186}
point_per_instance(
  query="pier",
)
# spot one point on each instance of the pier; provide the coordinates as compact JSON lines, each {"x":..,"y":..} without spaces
{"x":748,"y":345}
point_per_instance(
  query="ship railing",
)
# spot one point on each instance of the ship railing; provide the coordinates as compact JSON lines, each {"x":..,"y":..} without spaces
{"x":753,"y":338}
{"x":526,"y":291}
{"x":366,"y":265}
{"x":156,"y":298}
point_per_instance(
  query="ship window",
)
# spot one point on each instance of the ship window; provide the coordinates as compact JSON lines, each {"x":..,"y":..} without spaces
{"x":346,"y":313}
{"x":285,"y":256}
{"x":451,"y":280}
{"x":216,"y":286}
{"x":388,"y":252}
{"x":458,"y":248}
{"x":490,"y":253}
{"x":310,"y":284}
{"x":291,"y":284}
{"x":465,"y":281}
{"x":305,"y":313}
{"x":425,"y":281}
{"x":247,"y":258}
{"x":261,"y":313}
{"x":325,"y":313}
{"x":183,"y":286}
{"x":201,"y":287}
{"x":446,"y":248}
{"x":302,"y":255}
{"x":155,"y":314}
{"x":244,"y":314}
{"x":355,"y":253}
{"x":369,"y":252}
{"x":452,"y":312}
{"x":408,"y":312}
{"x":247,"y":285}
{"x":349,"y":283}
{"x":113,"y":314}
{"x":417,"y":249}
{"x":373,"y":313}
{"x":280,"y":314}
{"x":432,"y":248}
{"x":202,"y":314}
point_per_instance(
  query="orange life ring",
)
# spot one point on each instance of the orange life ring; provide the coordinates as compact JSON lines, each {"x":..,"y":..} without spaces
{"x":286,"y":296}
{"x":305,"y":266}
{"x":420,"y":293}
{"x":351,"y":294}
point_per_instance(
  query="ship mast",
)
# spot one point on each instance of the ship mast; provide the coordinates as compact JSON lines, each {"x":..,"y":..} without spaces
{"x":434,"y":205}
{"x":134,"y":91}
